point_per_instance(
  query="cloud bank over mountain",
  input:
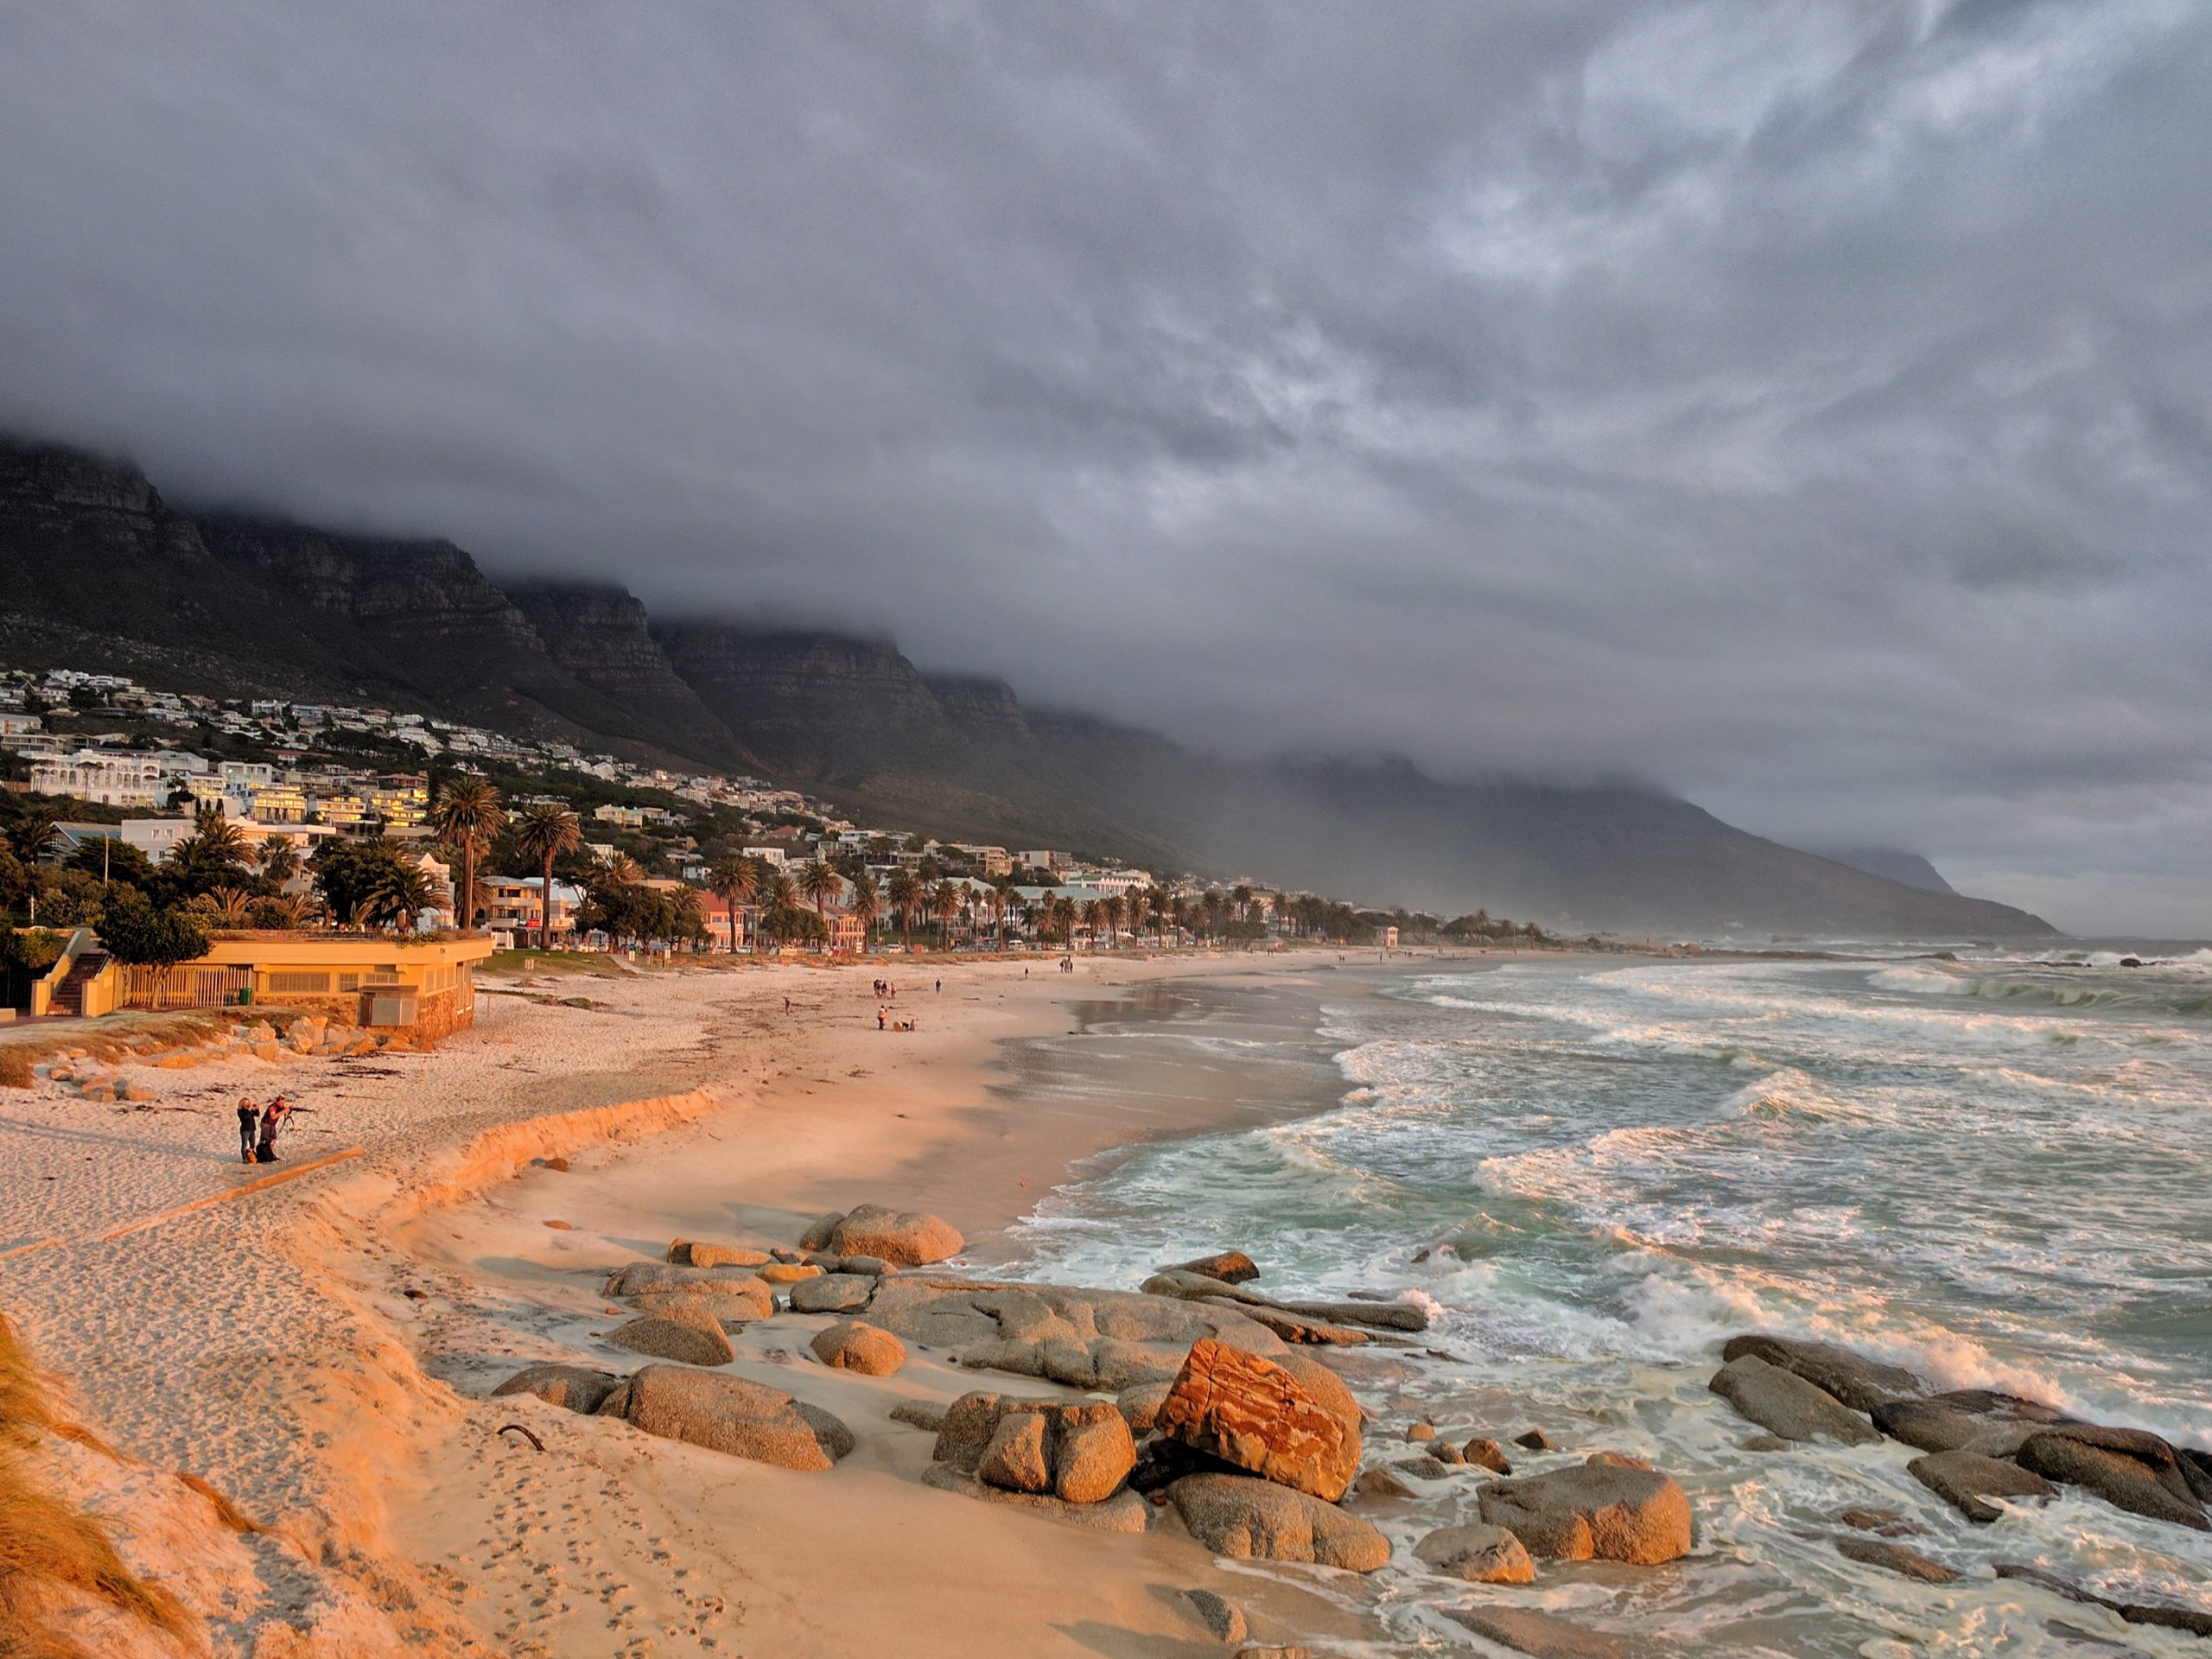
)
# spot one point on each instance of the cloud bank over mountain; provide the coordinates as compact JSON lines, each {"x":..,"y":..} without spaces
{"x":1802,"y":407}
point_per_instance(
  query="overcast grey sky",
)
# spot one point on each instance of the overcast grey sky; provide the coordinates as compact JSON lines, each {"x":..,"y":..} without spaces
{"x":1807,"y":406}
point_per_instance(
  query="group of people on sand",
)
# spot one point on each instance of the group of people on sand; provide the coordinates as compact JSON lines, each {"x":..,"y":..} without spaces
{"x":884,"y":991}
{"x":257,"y":1126}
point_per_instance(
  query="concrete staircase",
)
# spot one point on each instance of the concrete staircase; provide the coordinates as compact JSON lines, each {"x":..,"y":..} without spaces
{"x":69,"y":994}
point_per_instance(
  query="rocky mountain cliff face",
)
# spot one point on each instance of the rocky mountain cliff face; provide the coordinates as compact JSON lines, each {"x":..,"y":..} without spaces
{"x":420,"y":618}
{"x":74,"y":491}
{"x":783,"y":685}
{"x":430,"y":587}
{"x":93,"y":560}
{"x":97,"y":570}
{"x":599,"y":633}
{"x":977,"y":704}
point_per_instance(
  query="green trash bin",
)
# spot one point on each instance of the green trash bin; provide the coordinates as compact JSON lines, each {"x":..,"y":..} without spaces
{"x":245,"y":994}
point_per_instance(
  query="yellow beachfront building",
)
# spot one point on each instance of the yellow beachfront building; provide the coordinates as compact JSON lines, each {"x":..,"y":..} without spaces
{"x":424,"y":986}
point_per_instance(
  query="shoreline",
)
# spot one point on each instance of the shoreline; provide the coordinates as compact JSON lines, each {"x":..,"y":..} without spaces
{"x":949,"y":1127}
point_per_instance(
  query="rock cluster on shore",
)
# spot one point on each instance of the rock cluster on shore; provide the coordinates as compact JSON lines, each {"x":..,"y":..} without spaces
{"x":1221,"y":1410}
{"x":729,"y":1414}
{"x":1981,"y":1445}
{"x":1072,"y":1460}
{"x":901,"y":1238}
{"x":1982,"y":1451}
{"x":1261,"y":1417}
{"x":1217,"y":1406}
{"x":1222,"y":1415}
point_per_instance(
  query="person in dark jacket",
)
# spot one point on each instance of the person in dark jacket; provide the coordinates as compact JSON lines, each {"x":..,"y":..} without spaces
{"x":249,"y":1129}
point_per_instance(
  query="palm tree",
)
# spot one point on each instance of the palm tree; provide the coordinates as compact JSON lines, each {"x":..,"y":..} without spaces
{"x":398,"y":896}
{"x":778,"y":898}
{"x":33,"y":828}
{"x":905,"y":895}
{"x":211,"y":856}
{"x":733,"y":881}
{"x":1004,"y":892}
{"x":866,"y":902}
{"x":621,"y":871}
{"x":1240,"y":896}
{"x":230,"y":905}
{"x":280,"y":859}
{"x":468,"y":817}
{"x":297,"y":908}
{"x":546,"y":831}
{"x":1094,"y":918}
{"x":1138,"y":900}
{"x":818,"y":883}
{"x":944,"y":905}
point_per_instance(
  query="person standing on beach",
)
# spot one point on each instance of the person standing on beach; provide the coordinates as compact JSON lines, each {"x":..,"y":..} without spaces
{"x":271,"y":1120}
{"x":249,"y":1129}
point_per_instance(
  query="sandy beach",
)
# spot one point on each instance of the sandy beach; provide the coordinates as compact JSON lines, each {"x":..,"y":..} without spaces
{"x":316,"y":1351}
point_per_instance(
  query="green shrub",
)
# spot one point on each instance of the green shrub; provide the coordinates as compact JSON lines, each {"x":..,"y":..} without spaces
{"x":136,"y":933}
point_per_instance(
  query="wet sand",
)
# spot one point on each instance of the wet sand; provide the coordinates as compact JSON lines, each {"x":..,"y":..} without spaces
{"x":610,"y":1538}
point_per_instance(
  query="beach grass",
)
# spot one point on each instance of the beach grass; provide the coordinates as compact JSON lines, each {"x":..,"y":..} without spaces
{"x":48,"y":1547}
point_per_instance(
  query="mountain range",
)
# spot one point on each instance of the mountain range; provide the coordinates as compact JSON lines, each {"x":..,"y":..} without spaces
{"x":97,"y":571}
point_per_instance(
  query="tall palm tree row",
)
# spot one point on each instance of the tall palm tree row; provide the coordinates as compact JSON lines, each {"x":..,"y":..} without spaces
{"x":546,"y":831}
{"x":468,"y":817}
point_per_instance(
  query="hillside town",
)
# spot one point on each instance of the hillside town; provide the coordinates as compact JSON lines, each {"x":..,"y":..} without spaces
{"x":197,"y":821}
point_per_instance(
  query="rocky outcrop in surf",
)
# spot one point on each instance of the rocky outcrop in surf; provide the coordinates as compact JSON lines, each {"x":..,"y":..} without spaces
{"x":1984,"y":1447}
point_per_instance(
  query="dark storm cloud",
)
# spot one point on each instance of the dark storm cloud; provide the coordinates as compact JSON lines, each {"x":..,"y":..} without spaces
{"x":1803,"y":406}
